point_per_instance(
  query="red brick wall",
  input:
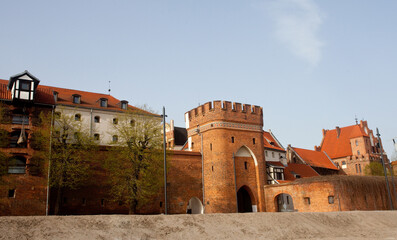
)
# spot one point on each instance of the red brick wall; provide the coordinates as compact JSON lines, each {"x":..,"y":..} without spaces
{"x":30,"y":191}
{"x":183,"y":178}
{"x":350,"y":193}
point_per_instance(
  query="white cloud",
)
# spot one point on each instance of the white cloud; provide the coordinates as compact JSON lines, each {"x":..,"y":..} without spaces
{"x":297,"y":22}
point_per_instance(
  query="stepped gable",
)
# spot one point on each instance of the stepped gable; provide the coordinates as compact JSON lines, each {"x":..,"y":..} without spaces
{"x":225,"y":111}
{"x":315,"y":158}
{"x":339,"y":146}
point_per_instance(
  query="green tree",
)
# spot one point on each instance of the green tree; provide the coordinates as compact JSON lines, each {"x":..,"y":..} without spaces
{"x":135,"y":162}
{"x":70,"y":152}
{"x":374,"y":169}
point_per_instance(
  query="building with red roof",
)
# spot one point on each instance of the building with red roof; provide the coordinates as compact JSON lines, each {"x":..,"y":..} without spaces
{"x":317,"y":160}
{"x":352,"y":148}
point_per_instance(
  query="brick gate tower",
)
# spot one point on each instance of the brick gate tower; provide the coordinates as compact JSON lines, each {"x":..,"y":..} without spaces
{"x":230,"y":137}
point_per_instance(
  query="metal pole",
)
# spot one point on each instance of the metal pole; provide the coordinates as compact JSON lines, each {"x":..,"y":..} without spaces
{"x":235,"y":181}
{"x":202,"y":166}
{"x":165,"y":164}
{"x":49,"y":164}
{"x":384,"y":169}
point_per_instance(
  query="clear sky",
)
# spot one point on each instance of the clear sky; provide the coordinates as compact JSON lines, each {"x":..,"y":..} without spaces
{"x":309,"y":64}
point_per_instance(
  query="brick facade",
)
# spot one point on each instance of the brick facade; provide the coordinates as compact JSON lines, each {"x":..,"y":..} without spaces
{"x":332,"y":193}
{"x":226,"y":131}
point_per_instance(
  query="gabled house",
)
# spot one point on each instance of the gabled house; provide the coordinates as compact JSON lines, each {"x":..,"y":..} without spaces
{"x":317,"y":160}
{"x":352,"y":148}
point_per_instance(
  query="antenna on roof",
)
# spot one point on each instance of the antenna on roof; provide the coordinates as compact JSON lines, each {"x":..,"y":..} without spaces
{"x":109,"y":88}
{"x":356,"y":119}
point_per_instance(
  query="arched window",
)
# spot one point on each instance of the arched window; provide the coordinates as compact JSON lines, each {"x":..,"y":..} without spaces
{"x":17,"y":165}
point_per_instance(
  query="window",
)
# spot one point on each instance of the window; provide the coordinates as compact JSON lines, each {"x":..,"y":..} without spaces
{"x":132,"y":122}
{"x":245,"y":165}
{"x":331,"y":199}
{"x":273,"y":154}
{"x":115,"y":138}
{"x":192,"y":145}
{"x":76,"y":99}
{"x":266,"y":153}
{"x":11,"y":193}
{"x":232,"y":139}
{"x":212,"y":167}
{"x":24,"y":85}
{"x":211,"y":146}
{"x":20,"y":119}
{"x":96,"y":137}
{"x":124,"y":105}
{"x":359,"y":167}
{"x":356,"y":168}
{"x":57,"y":115}
{"x":77,"y":117}
{"x":358,"y":152}
{"x":102,"y":202}
{"x":83,"y":202}
{"x":356,"y":142}
{"x":253,"y":141}
{"x":307,"y":200}
{"x":97,"y":119}
{"x":344,"y":164}
{"x":104,"y":102}
{"x":115,"y":121}
{"x":18,"y":139}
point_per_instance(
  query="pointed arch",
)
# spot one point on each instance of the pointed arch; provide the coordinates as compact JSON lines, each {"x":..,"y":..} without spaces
{"x":245,"y":151}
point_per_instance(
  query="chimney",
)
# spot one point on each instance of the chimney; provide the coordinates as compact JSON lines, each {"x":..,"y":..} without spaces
{"x":317,"y":148}
{"x":337,"y":131}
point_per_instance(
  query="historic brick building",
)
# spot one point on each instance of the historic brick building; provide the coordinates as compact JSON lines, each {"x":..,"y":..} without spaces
{"x":230,"y":137}
{"x":222,"y":162}
{"x":352,"y":148}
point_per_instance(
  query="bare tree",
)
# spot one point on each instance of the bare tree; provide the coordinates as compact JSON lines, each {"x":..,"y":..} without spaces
{"x":135,"y":162}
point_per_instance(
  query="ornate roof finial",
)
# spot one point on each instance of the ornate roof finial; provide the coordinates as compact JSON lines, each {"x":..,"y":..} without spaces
{"x":356,"y":120}
{"x":109,"y":88}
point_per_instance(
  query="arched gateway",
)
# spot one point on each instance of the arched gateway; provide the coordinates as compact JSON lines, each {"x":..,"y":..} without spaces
{"x":244,"y":200}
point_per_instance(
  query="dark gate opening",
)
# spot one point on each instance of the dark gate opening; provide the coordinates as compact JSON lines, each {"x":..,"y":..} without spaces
{"x":244,"y":201}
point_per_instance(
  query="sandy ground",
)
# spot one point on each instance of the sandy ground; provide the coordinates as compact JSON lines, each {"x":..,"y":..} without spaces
{"x":334,"y":225}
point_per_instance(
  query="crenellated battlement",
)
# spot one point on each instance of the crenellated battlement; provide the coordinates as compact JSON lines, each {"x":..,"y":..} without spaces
{"x":225,"y":111}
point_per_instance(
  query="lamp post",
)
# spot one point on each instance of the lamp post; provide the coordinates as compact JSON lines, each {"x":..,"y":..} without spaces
{"x":202,"y":165}
{"x":384,"y":169}
{"x":165,"y":163}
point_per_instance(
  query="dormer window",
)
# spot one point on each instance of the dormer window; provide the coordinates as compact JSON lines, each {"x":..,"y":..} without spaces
{"x":23,"y":86}
{"x":104,"y":102}
{"x":124,"y":105}
{"x":76,"y":98}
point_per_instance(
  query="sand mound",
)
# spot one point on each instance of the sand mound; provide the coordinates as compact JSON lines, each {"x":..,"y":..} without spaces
{"x":335,"y":225}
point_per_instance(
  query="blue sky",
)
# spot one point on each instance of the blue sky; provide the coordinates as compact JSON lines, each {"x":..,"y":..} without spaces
{"x":309,"y":64}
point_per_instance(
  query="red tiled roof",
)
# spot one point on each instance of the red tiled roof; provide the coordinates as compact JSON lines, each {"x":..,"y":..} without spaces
{"x":301,"y":169}
{"x":44,"y":94}
{"x":315,"y":158}
{"x":279,"y":164}
{"x":337,"y":147}
{"x":270,"y":142}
